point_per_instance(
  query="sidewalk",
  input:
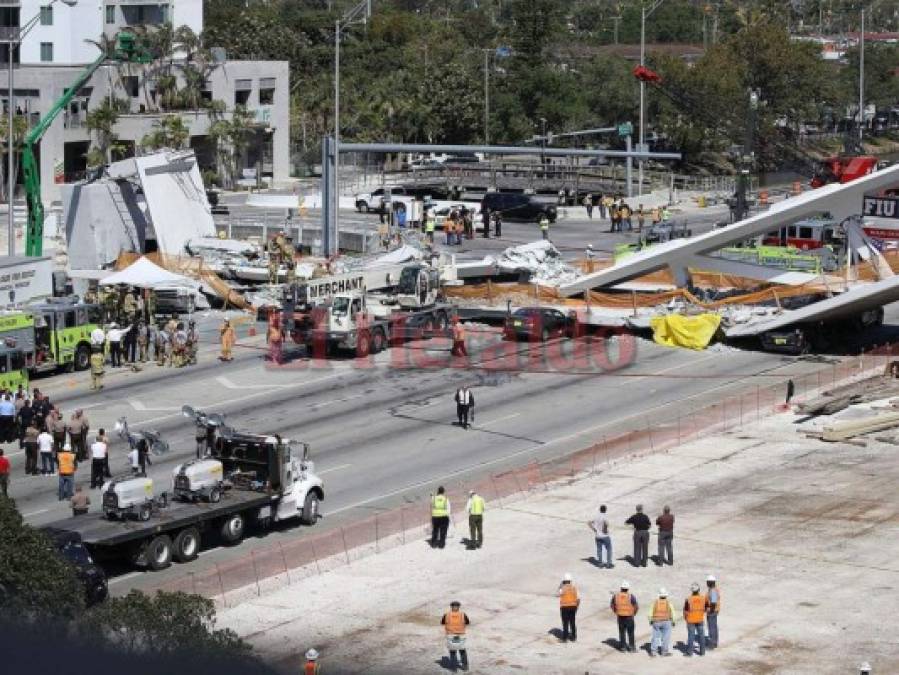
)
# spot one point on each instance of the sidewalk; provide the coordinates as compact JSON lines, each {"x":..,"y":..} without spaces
{"x":801,"y":535}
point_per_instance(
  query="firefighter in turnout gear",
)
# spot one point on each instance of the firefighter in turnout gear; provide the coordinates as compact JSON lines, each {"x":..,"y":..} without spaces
{"x":193,"y":341}
{"x":275,"y":252}
{"x":98,"y":364}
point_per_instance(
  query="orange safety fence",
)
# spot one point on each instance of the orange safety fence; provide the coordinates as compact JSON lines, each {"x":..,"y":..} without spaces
{"x":318,"y":551}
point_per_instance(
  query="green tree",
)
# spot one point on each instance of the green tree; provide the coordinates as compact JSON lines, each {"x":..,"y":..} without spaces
{"x":35,"y":583}
{"x":231,"y":136}
{"x":101,"y":122}
{"x":168,"y":132}
{"x":162,"y":624}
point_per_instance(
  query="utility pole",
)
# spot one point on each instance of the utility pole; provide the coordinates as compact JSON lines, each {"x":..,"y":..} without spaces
{"x":741,"y":206}
{"x":642,"y":146}
{"x":486,"y":97}
{"x":861,"y":83}
{"x":359,"y":14}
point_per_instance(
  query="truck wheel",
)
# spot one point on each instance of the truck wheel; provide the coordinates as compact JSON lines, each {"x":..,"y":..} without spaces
{"x":310,"y":509}
{"x":442,"y":322}
{"x":82,"y":357}
{"x":187,"y":545}
{"x":144,"y":512}
{"x":363,"y":345}
{"x":363,"y":207}
{"x":159,"y":552}
{"x":215,"y":495}
{"x":378,"y":341}
{"x":232,"y":528}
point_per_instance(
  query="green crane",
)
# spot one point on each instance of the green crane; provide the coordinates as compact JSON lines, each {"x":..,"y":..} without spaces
{"x":126,"y":49}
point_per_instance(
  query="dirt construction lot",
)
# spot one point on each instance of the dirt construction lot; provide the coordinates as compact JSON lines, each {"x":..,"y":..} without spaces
{"x":802,"y":536}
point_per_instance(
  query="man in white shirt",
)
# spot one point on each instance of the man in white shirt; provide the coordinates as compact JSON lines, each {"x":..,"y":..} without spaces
{"x":134,"y":458}
{"x":464,"y":405}
{"x":115,"y":335}
{"x":45,"y":447}
{"x":98,"y":337}
{"x":99,"y":452}
{"x":600,"y":527}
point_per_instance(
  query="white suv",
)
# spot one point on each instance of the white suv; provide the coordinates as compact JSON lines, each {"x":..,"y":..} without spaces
{"x":374,"y":200}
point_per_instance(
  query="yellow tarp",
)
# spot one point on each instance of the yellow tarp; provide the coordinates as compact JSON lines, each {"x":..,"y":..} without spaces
{"x":692,"y":332}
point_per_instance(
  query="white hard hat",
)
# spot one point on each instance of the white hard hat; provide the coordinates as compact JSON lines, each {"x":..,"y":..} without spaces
{"x":312,"y":654}
{"x":567,"y":576}
{"x":694,"y":587}
{"x":663,"y":592}
{"x":711,"y":577}
{"x":625,"y":586}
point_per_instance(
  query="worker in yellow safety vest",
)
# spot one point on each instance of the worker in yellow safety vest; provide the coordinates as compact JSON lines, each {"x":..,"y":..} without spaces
{"x":568,"y":604}
{"x":661,"y":618}
{"x":544,"y":226}
{"x":440,"y":518}
{"x":694,"y":615}
{"x":475,"y":508}
{"x":430,"y":225}
{"x":454,"y":624}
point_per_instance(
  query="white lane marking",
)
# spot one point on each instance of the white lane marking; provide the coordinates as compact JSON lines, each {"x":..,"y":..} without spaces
{"x":137,"y":405}
{"x":239,"y":400}
{"x":334,"y":468}
{"x":530,"y":449}
{"x":228,"y":384}
{"x":499,"y":419}
{"x":34,"y":513}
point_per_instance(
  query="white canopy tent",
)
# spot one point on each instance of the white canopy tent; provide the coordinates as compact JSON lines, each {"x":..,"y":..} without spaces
{"x":145,"y":274}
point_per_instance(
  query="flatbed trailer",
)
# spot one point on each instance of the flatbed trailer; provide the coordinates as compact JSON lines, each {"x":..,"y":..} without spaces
{"x":268,"y":484}
{"x":183,"y":523}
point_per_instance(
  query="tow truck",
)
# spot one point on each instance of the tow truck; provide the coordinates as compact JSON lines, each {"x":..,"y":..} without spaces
{"x":266,"y":479}
{"x":367,"y":323}
{"x":52,"y":335}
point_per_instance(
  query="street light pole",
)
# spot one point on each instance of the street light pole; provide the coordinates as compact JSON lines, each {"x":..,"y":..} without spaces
{"x":336,"y":195}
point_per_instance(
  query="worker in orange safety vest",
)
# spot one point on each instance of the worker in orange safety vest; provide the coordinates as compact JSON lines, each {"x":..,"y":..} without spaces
{"x":312,"y":667}
{"x":694,"y":615}
{"x":625,"y":606}
{"x":568,"y":604}
{"x":454,"y":624}
{"x":458,"y":338}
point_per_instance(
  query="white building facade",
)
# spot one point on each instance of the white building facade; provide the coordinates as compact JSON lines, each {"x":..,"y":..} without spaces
{"x":59,"y":46}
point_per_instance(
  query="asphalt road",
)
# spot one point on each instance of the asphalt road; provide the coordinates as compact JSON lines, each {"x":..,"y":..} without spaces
{"x":382,"y":431}
{"x":382,"y":434}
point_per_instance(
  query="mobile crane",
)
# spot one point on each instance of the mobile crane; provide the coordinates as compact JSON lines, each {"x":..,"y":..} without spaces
{"x":126,"y":49}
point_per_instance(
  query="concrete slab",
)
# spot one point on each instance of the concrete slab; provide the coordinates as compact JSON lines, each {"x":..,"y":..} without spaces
{"x":803,"y":568}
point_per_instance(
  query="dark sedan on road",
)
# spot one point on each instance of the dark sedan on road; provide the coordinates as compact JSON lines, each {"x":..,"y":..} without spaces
{"x":538,"y":323}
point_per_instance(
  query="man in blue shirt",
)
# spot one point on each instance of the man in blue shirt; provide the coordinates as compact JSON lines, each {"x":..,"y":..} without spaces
{"x":7,"y":419}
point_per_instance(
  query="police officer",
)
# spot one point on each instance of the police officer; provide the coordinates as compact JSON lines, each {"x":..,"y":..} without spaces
{"x":97,"y":368}
{"x":160,"y":346}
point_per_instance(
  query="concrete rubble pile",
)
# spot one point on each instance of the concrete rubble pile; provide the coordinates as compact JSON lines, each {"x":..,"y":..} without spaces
{"x":541,"y":259}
